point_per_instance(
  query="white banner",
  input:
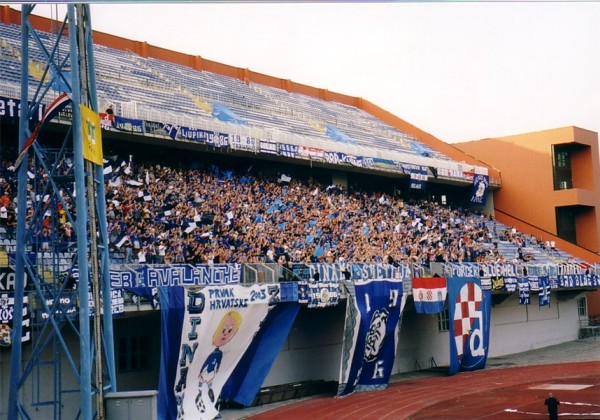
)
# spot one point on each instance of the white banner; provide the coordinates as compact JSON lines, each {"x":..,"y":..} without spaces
{"x":219,"y":324}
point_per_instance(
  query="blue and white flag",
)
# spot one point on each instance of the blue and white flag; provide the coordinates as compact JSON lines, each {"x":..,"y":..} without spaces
{"x":373,"y":311}
{"x":195,"y":134}
{"x":544,"y":291}
{"x":288,"y":150}
{"x":469,"y":311}
{"x":268,"y":147}
{"x":510,"y":283}
{"x":429,"y":294}
{"x":171,"y":130}
{"x":217,"y":139}
{"x":524,"y":294}
{"x":218,"y":326}
{"x":247,"y":378}
{"x":480,"y":188}
{"x":128,"y":124}
{"x":418,"y":177}
{"x":319,"y":294}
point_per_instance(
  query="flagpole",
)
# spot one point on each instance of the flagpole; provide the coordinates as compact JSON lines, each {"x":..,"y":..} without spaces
{"x":15,"y":371}
{"x":91,"y":200}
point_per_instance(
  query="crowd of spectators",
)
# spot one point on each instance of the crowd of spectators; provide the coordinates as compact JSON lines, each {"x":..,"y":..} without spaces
{"x":165,"y":214}
{"x":160,"y":214}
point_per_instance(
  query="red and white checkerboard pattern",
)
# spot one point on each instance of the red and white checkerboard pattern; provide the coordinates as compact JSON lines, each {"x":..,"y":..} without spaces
{"x":467,"y":303}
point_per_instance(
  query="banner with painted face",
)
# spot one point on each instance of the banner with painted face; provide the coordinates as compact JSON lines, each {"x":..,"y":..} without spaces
{"x":469,"y":310}
{"x":373,"y":311}
{"x":219,"y":324}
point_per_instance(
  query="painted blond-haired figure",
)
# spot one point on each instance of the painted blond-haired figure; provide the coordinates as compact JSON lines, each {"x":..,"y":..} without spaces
{"x":226,"y":330}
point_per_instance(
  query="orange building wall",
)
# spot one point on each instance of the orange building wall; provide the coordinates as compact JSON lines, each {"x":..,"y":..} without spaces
{"x":528,"y":157}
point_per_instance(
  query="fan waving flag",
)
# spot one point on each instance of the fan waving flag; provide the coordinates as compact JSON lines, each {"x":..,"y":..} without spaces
{"x":55,"y":107}
{"x":429,"y":294}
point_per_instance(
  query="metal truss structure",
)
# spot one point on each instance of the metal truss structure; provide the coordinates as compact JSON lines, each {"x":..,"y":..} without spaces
{"x":62,"y":277}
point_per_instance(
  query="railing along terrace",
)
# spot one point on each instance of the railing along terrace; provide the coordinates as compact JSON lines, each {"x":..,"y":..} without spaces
{"x":515,"y":270}
{"x":156,"y":275}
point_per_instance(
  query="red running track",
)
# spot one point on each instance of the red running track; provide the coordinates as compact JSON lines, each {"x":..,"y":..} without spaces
{"x":507,"y":394}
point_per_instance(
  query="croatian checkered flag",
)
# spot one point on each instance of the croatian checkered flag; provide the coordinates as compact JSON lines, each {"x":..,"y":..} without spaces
{"x":469,"y":310}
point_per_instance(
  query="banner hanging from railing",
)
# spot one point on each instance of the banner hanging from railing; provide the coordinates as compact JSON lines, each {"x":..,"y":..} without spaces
{"x":469,"y":311}
{"x":219,"y":324}
{"x":369,"y":347}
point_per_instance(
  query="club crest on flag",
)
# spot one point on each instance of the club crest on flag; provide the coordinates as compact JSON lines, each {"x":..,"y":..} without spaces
{"x":466,"y":312}
{"x":470,"y":322}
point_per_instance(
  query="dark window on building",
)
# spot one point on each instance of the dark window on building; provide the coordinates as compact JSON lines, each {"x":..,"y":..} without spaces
{"x":581,"y":307}
{"x":132,"y":353}
{"x":566,"y":227}
{"x":563,"y":179}
{"x":443,"y":321}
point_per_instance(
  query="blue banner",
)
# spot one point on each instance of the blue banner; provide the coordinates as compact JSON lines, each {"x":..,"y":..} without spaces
{"x":153,"y":127}
{"x":65,"y":307}
{"x":268,"y":147}
{"x":319,"y":294}
{"x":247,"y":378}
{"x":220,"y":140}
{"x":11,"y":108}
{"x":418,"y":177}
{"x":288,"y":150}
{"x":469,"y":311}
{"x":339,"y":158}
{"x":373,"y":312}
{"x":171,"y":129}
{"x":489,"y":270}
{"x":578,"y":280}
{"x":129,"y":125}
{"x":171,"y":324}
{"x":524,"y":293}
{"x":544,"y":292}
{"x":194,"y":134}
{"x":481,"y":184}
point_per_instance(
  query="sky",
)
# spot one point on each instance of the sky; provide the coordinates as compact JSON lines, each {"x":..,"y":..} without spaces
{"x":460,"y":71}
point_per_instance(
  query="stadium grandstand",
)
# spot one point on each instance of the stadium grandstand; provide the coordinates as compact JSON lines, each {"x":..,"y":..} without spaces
{"x":225,"y":188}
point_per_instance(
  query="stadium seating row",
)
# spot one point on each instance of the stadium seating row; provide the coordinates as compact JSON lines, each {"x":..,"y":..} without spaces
{"x":138,"y":86}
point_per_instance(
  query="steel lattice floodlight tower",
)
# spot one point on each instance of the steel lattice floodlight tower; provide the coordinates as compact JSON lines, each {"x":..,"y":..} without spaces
{"x":61,"y":188}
